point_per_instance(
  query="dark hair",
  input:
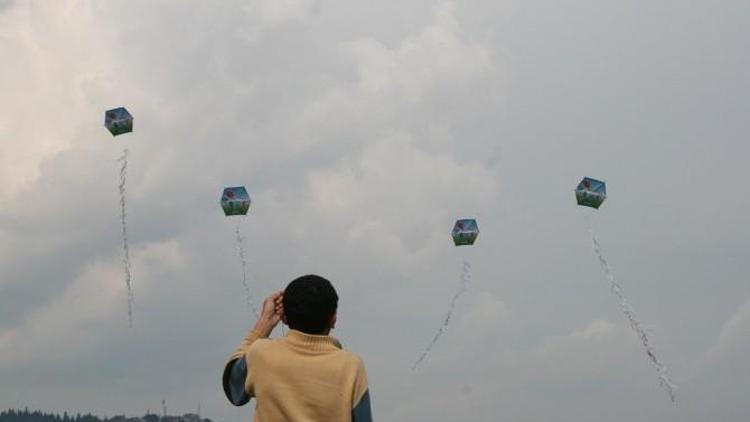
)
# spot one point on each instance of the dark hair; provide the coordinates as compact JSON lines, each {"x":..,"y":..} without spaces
{"x":309,"y":303}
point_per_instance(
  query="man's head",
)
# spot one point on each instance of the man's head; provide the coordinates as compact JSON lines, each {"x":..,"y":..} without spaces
{"x":310,"y":304}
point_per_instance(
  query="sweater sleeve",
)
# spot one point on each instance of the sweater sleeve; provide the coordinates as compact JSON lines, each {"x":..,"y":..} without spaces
{"x":361,"y":411}
{"x":236,"y":372}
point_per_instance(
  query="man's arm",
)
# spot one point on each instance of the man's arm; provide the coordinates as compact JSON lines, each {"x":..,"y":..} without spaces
{"x":236,"y":370}
{"x":361,"y":411}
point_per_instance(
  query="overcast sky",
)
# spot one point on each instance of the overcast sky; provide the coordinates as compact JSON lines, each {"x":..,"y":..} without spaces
{"x":362,"y":130}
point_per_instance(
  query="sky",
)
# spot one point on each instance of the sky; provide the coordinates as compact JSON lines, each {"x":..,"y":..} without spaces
{"x":362,"y":130}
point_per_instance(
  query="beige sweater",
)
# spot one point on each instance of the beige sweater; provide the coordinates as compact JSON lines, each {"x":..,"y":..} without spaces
{"x":300,"y":377}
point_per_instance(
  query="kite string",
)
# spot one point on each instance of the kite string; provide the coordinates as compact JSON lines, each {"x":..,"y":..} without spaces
{"x":634,"y":323}
{"x":463,"y":286}
{"x":243,"y":262}
{"x":126,"y":250}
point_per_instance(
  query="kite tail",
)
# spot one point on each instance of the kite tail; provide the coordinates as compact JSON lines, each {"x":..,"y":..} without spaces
{"x":126,"y":250}
{"x":635,"y":324}
{"x":463,"y":285}
{"x":243,"y":262}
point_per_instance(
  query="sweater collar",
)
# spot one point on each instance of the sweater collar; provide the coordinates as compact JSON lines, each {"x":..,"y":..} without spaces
{"x":311,"y":341}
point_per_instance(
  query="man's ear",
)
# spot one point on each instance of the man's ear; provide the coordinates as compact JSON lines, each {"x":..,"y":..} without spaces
{"x":332,"y":321}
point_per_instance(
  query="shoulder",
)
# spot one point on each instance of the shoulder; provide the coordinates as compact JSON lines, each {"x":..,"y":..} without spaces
{"x":260,"y":343}
{"x":351,"y":360}
{"x":259,"y":348}
{"x":355,"y":368}
{"x":350,"y":356}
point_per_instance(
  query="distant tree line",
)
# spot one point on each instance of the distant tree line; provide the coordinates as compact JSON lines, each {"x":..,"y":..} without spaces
{"x":12,"y":415}
{"x":25,"y":415}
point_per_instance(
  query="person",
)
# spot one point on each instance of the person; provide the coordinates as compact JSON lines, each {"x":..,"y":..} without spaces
{"x":306,"y":375}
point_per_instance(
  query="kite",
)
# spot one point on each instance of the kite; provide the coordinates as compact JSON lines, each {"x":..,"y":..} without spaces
{"x":592,"y":193}
{"x":236,"y":201}
{"x":464,"y":233}
{"x":119,"y":121}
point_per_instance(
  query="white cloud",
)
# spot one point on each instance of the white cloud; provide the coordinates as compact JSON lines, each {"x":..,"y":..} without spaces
{"x":600,"y":328}
{"x":488,"y":374}
{"x":486,"y":313}
{"x":424,"y":63}
{"x":424,"y":85}
{"x":51,"y":66}
{"x":70,"y":327}
{"x":277,"y":11}
{"x":397,"y":201}
{"x":586,"y":352}
{"x":733,"y":340}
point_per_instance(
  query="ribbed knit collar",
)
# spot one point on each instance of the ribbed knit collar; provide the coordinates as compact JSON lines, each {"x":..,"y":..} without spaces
{"x":310,"y":341}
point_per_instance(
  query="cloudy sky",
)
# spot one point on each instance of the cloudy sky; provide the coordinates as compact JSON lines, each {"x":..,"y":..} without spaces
{"x":362,"y":129}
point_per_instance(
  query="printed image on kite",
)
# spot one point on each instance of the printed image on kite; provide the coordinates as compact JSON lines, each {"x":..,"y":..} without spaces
{"x":118,"y":121}
{"x":465,"y":232}
{"x":235,"y":201}
{"x":591,"y":192}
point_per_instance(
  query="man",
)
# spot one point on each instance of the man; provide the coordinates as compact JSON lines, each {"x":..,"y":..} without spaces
{"x":305,"y":376}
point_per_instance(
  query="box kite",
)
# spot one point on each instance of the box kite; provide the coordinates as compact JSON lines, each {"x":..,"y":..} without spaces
{"x":235,"y":201}
{"x":465,"y":232}
{"x":118,"y":121}
{"x":591,"y":192}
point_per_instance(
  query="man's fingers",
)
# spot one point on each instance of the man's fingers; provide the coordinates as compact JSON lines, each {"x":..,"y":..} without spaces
{"x":275,"y":297}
